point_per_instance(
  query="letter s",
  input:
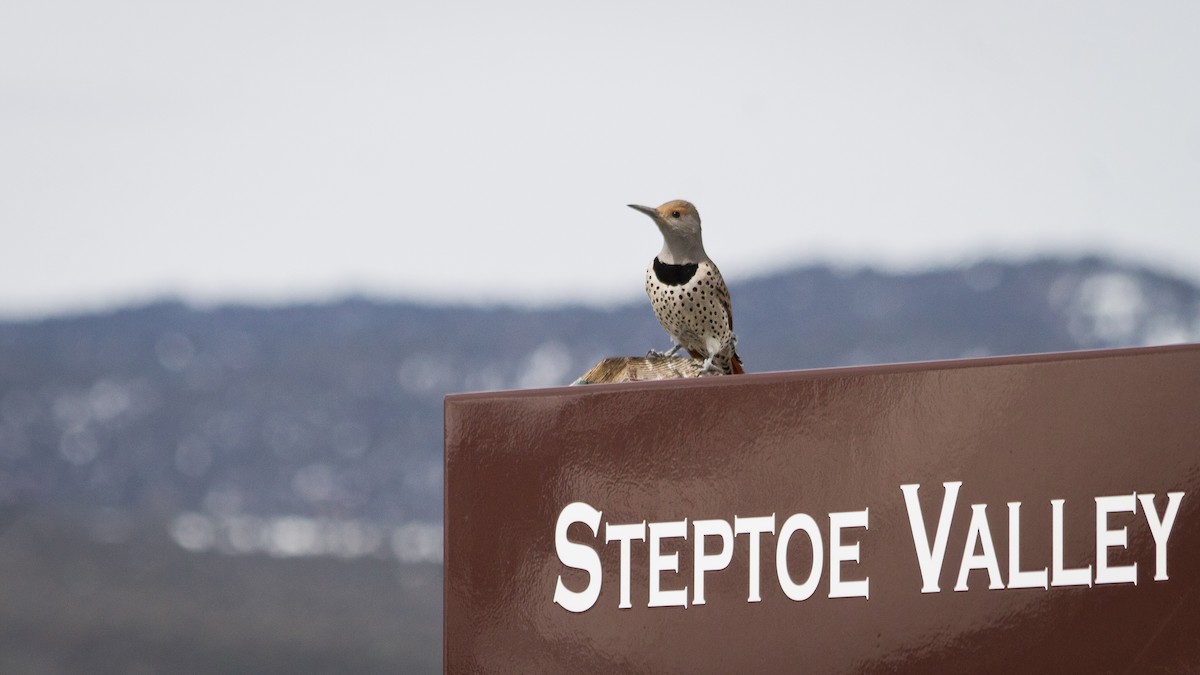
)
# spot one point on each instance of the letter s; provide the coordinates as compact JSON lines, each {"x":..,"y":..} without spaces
{"x":578,"y":556}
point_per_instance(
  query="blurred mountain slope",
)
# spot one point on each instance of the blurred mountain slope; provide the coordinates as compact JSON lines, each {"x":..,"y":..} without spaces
{"x":138,"y":448}
{"x":334,"y":410}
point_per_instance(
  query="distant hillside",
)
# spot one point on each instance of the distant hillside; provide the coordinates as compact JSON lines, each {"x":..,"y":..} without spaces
{"x":335,"y":410}
{"x":138,"y":446}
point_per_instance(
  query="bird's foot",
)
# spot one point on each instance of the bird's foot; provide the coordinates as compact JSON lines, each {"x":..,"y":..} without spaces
{"x":655,"y":354}
{"x":707,"y":368}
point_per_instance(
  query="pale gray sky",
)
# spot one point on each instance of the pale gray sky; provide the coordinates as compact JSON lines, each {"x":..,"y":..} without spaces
{"x":484,"y":151}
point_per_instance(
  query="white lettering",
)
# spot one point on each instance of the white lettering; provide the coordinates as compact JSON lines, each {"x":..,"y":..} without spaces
{"x":754,"y":527}
{"x":1161,"y":528}
{"x":660,"y":563}
{"x":930,"y":559}
{"x":705,"y":562}
{"x":1106,"y":539}
{"x":625,"y":534}
{"x":979,"y":532}
{"x":979,"y":550}
{"x":1018,"y":578}
{"x":1063,"y":576}
{"x":840,"y":553}
{"x":578,"y":556}
{"x":799,"y":521}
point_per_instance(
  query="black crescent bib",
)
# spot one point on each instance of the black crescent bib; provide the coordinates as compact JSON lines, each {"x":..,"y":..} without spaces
{"x":674,"y":275}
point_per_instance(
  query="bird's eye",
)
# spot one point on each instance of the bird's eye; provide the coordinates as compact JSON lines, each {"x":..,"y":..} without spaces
{"x":674,"y":214}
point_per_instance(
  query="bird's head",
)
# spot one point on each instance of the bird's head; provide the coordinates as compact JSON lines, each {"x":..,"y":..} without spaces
{"x":676,"y":218}
{"x":679,"y":224}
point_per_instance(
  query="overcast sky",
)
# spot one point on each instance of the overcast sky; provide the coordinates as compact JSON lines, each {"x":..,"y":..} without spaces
{"x":276,"y":151}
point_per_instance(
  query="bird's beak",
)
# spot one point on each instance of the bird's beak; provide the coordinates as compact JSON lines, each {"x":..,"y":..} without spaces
{"x":646,"y":210}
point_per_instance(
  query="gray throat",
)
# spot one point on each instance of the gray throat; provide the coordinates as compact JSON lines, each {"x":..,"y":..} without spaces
{"x":678,"y":250}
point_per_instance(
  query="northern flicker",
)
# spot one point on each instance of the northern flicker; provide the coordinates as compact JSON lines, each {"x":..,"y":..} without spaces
{"x":687,"y":292}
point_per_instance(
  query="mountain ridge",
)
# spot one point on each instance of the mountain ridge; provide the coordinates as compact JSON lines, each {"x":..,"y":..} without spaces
{"x":333,"y":410}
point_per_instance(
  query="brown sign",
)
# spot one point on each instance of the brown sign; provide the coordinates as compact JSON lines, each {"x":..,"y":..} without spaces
{"x":1015,"y":514}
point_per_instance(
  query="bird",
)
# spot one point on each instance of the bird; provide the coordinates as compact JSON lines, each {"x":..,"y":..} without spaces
{"x":687,"y":291}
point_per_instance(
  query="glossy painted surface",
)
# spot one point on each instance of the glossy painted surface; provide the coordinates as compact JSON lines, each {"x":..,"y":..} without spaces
{"x":1013,"y":429}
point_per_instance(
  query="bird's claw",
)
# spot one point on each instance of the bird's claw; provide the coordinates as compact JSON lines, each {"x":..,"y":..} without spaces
{"x":655,"y":354}
{"x":707,"y":368}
